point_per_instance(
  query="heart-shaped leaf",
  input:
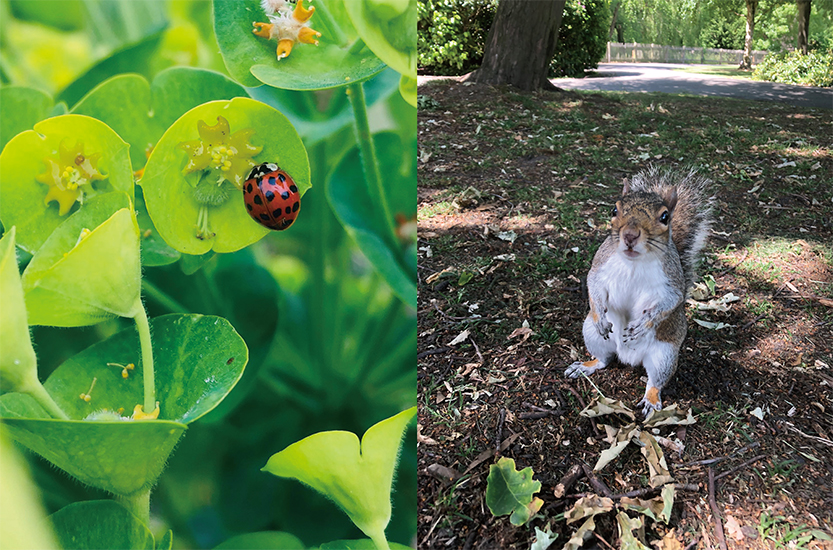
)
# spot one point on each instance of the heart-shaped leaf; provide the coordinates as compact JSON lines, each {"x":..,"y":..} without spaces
{"x":356,"y":476}
{"x":100,"y":524}
{"x":20,"y":109}
{"x":353,"y":202}
{"x":88,"y":269}
{"x":18,"y":364}
{"x":170,"y":195}
{"x":338,"y":59}
{"x":509,"y":491}
{"x":198,"y":360}
{"x":37,"y":153}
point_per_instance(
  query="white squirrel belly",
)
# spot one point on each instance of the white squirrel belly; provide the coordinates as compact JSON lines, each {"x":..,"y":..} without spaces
{"x":631,"y":287}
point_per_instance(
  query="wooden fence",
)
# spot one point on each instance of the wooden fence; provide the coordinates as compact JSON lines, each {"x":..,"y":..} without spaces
{"x":654,"y":53}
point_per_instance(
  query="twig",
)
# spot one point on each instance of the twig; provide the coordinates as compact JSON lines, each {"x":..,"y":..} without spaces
{"x":728,"y":269}
{"x":499,"y":431}
{"x":693,"y":543}
{"x":426,"y":353}
{"x":752,"y":322}
{"x":738,"y":467}
{"x":479,"y":355}
{"x":569,"y":479}
{"x":598,"y":536}
{"x":821,"y":440}
{"x":595,"y":482}
{"x":718,"y":523}
{"x":708,"y":461}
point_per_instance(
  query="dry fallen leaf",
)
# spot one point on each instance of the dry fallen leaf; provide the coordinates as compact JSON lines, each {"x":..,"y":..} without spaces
{"x":733,"y":528}
{"x":588,"y":507}
{"x":424,"y":439}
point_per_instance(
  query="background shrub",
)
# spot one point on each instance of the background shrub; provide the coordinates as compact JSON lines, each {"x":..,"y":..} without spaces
{"x":813,"y":69}
{"x":582,"y":40}
{"x":452,"y":34}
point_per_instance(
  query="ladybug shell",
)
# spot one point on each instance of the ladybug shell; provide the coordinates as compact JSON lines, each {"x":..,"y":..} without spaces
{"x":271,"y":196}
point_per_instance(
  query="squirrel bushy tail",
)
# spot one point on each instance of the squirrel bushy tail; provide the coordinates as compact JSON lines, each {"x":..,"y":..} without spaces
{"x":692,"y":216}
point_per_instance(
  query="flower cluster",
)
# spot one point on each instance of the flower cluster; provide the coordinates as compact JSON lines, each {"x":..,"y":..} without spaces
{"x":69,"y":176}
{"x":228,"y":155}
{"x":286,"y":25}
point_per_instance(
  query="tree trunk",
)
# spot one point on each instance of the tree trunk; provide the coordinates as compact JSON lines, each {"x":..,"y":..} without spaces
{"x":521,"y":43}
{"x":751,"y":7}
{"x":613,"y":22}
{"x":803,"y":24}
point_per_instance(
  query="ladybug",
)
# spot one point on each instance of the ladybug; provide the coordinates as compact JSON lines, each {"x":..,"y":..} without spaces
{"x":271,"y":196}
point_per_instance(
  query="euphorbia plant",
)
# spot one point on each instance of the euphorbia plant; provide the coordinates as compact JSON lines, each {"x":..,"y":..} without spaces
{"x":327,"y":337}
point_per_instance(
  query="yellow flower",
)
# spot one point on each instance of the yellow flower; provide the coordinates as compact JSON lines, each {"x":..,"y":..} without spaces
{"x":69,"y":176}
{"x":286,"y":25}
{"x":228,"y":155}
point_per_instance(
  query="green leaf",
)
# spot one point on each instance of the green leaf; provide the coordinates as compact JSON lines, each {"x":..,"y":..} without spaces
{"x":389,"y":28}
{"x":95,"y":524}
{"x":543,"y":539}
{"x":88,"y":269}
{"x":169,"y":195}
{"x":120,"y":457}
{"x":20,"y":109}
{"x":252,"y":60}
{"x":509,"y":491}
{"x":66,"y":15}
{"x":626,"y":536}
{"x":263,"y":540}
{"x":357,"y":477}
{"x":198,"y":360}
{"x":22,"y":518}
{"x":18,"y":364}
{"x":22,"y":196}
{"x":166,"y":542}
{"x":133,"y":58}
{"x":153,"y":107}
{"x":352,"y":202}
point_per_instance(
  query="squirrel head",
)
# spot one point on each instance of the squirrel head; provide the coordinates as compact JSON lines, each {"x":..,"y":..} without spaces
{"x":642,"y":221}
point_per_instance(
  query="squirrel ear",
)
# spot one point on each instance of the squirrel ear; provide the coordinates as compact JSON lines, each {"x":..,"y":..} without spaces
{"x":626,"y":185}
{"x":669,"y":196}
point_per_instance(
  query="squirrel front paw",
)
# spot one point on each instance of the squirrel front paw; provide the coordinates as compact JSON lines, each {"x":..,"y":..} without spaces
{"x":605,"y":328}
{"x":587,"y":367}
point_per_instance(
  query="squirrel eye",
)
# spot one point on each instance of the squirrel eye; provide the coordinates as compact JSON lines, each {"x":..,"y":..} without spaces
{"x":664,"y":218}
{"x":614,"y":212}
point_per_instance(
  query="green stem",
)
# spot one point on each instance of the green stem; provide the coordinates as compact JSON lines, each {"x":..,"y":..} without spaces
{"x":379,"y":540}
{"x":370,"y":164}
{"x":39,"y":393}
{"x":163,"y":298}
{"x":138,"y":504}
{"x":143,"y":327}
{"x":357,"y":46}
{"x":327,"y":20}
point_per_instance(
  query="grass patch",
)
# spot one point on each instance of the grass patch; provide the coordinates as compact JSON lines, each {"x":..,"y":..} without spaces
{"x":718,"y":70}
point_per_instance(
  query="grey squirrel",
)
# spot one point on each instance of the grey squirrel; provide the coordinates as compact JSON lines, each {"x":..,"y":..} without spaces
{"x":641,"y":275}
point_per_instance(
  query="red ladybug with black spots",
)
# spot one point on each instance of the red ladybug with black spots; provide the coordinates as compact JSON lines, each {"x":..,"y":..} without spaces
{"x":271,"y":196}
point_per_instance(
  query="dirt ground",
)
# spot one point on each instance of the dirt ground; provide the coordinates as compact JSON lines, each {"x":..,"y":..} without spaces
{"x":514,"y":194}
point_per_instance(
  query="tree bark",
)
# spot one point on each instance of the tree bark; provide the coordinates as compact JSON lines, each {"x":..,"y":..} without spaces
{"x":521,"y":44}
{"x":613,"y":21}
{"x":803,"y":24}
{"x":751,"y":8}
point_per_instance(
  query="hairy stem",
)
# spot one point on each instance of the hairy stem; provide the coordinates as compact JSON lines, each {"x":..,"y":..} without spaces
{"x":163,"y":298}
{"x":143,"y":327}
{"x":370,"y":164}
{"x":138,"y":504}
{"x":39,"y":393}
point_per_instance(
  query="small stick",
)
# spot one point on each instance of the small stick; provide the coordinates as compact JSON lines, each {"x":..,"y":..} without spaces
{"x":569,"y":479}
{"x":648,"y":490}
{"x":738,"y":467}
{"x":595,"y":482}
{"x":708,"y":461}
{"x":479,"y":355}
{"x":499,"y":431}
{"x":718,"y":523}
{"x":598,"y":536}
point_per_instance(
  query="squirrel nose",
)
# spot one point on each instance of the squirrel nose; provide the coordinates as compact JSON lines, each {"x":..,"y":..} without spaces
{"x":630,"y":235}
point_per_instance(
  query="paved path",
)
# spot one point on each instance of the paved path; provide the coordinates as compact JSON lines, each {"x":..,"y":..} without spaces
{"x":661,"y":77}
